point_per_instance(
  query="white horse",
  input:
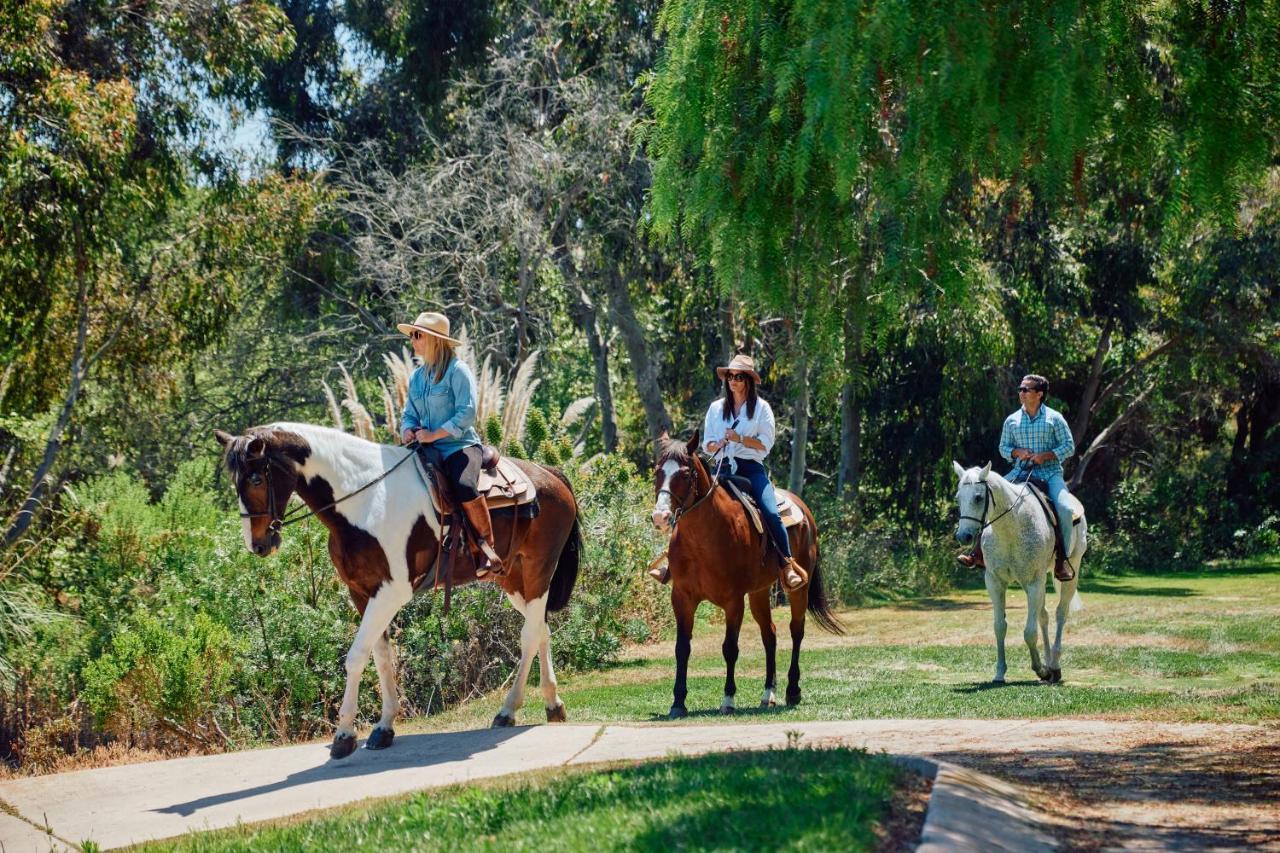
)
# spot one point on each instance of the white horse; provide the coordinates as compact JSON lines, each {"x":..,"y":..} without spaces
{"x":1017,"y":545}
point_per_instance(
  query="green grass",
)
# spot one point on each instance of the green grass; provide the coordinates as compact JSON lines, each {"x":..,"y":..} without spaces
{"x":797,"y":799}
{"x":1194,"y":646}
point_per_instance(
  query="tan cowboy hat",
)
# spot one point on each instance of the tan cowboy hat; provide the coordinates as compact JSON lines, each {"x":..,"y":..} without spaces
{"x":740,"y":364}
{"x":431,"y":323}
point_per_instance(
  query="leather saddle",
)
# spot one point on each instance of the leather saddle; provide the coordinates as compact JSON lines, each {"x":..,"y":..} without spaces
{"x":1041,"y":491}
{"x":740,"y":488}
{"x":501,"y":482}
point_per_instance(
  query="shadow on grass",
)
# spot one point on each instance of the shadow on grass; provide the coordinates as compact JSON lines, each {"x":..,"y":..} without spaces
{"x":984,"y":686}
{"x":938,"y":604}
{"x":1116,"y":587}
{"x":747,"y":712}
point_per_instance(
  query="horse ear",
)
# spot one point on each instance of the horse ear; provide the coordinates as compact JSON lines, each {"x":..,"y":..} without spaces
{"x":256,"y":448}
{"x":959,"y":468}
{"x":985,"y":471}
{"x":692,"y":444}
{"x":224,"y":438}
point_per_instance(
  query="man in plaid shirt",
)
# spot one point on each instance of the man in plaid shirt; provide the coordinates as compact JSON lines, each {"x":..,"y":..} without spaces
{"x":1037,"y":439}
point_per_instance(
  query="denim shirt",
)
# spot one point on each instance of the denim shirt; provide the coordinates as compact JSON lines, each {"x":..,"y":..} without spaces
{"x":1048,"y":430}
{"x":449,"y":404}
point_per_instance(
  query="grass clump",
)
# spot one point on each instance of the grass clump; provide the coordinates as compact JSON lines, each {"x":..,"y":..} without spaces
{"x":798,"y":799}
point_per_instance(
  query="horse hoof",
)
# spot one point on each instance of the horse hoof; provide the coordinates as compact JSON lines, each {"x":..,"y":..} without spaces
{"x":726,"y":710}
{"x":1045,"y":675}
{"x":343,"y":745}
{"x":1055,"y":675}
{"x":380,"y":738}
{"x":502,"y":721}
{"x":998,"y":682}
{"x":769,"y":703}
{"x":793,"y":699}
{"x":676,"y":712}
{"x":557,"y":714}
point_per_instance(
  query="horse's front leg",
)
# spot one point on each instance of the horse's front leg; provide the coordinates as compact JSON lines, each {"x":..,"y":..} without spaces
{"x":769,"y":636}
{"x":377,"y":615}
{"x":384,"y":733}
{"x":799,"y":603}
{"x":1035,"y":603}
{"x":732,"y":625}
{"x":684,"y":607}
{"x":550,"y":692}
{"x":535,"y":623}
{"x":996,"y":591}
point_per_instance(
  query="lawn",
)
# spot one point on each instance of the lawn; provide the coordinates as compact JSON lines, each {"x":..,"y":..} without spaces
{"x":797,"y":799}
{"x":1202,"y":646}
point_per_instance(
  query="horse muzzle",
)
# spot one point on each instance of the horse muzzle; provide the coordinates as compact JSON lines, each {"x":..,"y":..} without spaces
{"x":965,"y":536}
{"x":267,"y":545}
{"x":662,"y":518}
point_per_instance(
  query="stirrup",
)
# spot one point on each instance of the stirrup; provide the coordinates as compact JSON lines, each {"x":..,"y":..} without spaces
{"x":791,"y":567}
{"x":492,"y":564}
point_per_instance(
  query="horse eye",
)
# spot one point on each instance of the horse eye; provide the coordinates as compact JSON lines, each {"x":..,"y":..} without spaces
{"x":255,"y":479}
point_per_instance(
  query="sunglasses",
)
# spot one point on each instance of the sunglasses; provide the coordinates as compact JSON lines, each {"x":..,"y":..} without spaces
{"x":1026,"y":389}
{"x":416,"y":335}
{"x":737,"y":377}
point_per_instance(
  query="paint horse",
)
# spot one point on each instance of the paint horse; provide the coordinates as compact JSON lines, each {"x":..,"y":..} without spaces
{"x":384,"y":539}
{"x":1017,"y":545}
{"x":716,"y":554}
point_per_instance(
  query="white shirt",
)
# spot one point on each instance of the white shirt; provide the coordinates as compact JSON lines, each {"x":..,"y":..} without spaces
{"x":760,"y":428}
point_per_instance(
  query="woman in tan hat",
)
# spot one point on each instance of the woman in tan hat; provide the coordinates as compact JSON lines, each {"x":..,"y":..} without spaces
{"x":740,"y":427}
{"x":440,"y":411}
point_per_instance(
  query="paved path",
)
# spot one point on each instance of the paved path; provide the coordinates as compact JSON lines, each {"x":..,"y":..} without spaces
{"x":115,"y":806}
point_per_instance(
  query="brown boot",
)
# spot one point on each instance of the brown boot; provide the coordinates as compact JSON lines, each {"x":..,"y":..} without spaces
{"x":477,"y":512}
{"x":974,"y":560}
{"x":793,"y":577}
{"x":1062,"y":569}
{"x":660,"y":569}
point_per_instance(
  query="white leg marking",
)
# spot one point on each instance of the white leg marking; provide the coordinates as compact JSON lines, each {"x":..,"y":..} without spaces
{"x":385,"y":662}
{"x":727,"y":703}
{"x":769,"y":698}
{"x":530,"y":638}
{"x":547,"y":671}
{"x":378,"y":614}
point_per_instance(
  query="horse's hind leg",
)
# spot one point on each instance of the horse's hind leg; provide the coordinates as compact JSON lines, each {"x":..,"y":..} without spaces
{"x":769,"y":636}
{"x":535,"y":622}
{"x":1035,"y":604}
{"x":732,"y":625}
{"x":550,"y":695}
{"x":799,"y":601}
{"x":1053,"y":655}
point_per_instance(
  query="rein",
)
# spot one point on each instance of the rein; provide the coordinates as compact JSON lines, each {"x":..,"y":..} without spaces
{"x":279,"y":520}
{"x":682,"y":510}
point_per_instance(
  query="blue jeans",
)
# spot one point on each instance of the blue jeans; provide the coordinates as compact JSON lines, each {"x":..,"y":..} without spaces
{"x":1058,"y":494}
{"x":767,"y":500}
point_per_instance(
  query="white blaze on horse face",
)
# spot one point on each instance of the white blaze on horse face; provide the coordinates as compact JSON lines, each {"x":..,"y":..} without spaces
{"x":246,"y":523}
{"x":662,"y":508}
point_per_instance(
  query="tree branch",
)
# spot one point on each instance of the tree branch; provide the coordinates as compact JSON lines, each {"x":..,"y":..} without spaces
{"x":1100,"y":441}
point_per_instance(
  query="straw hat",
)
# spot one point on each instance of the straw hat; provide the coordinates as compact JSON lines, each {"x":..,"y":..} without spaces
{"x":431,"y":323}
{"x":740,"y":364}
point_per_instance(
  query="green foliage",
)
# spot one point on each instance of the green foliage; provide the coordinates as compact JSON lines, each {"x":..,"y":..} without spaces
{"x":536,"y":429}
{"x":492,"y":430}
{"x":153,"y":677}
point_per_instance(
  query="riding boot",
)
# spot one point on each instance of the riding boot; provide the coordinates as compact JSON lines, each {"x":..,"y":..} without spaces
{"x":477,"y":512}
{"x":793,"y":576}
{"x":1061,"y":567}
{"x":974,"y":560}
{"x":660,"y":569}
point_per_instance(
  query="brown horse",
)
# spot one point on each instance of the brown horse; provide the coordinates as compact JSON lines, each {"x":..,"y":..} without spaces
{"x":716,"y":555}
{"x":384,"y":537}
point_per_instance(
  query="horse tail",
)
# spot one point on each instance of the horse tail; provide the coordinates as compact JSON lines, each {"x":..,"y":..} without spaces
{"x":566,"y":573}
{"x":818,"y":604}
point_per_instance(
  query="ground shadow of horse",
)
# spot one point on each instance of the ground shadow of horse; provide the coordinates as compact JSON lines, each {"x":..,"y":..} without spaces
{"x":423,"y":750}
{"x":983,"y":686}
{"x":717,"y":714}
{"x":1115,"y":587}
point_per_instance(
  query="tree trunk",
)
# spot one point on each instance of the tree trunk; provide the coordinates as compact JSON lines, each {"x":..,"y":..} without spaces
{"x":1080,"y":424}
{"x":54,"y":443}
{"x":585,"y":313}
{"x":643,"y":361}
{"x":799,"y":429}
{"x":850,"y":471}
{"x":1106,"y":435}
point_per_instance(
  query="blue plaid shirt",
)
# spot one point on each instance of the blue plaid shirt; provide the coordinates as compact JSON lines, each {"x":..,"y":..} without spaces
{"x":1048,"y":430}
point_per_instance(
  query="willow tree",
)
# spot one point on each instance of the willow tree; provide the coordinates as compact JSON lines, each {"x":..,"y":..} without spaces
{"x":807,"y":141}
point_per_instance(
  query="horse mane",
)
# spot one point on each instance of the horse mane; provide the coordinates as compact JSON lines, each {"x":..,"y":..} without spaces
{"x":673,"y":449}
{"x":282,"y":448}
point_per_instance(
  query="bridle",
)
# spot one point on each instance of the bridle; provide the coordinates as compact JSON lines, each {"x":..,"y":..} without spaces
{"x":986,"y":507}
{"x":692,"y":499}
{"x":293,"y":516}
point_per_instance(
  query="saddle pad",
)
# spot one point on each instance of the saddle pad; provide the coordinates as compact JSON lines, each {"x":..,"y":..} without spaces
{"x":788,"y":508}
